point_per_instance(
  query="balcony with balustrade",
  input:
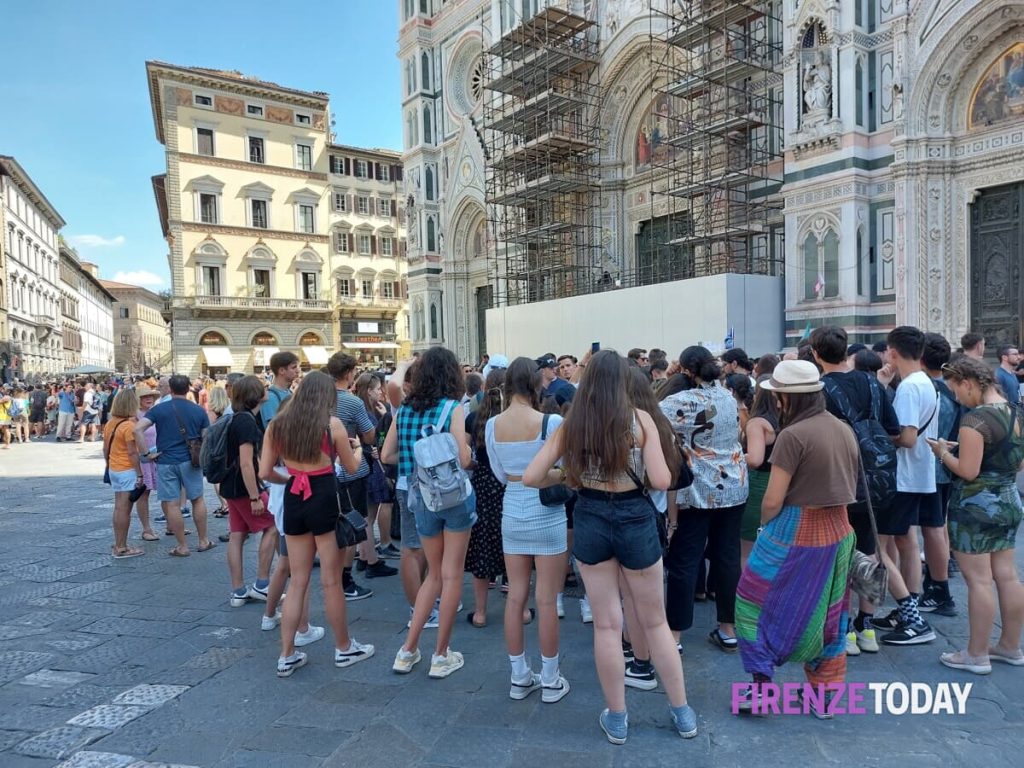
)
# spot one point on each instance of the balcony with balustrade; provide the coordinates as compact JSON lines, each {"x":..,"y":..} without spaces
{"x":248,"y":306}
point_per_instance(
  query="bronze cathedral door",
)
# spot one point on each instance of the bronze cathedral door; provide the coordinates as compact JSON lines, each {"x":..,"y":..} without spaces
{"x":997,"y":254}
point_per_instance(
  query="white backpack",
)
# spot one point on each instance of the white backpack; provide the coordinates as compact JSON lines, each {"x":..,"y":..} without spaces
{"x":440,"y":479}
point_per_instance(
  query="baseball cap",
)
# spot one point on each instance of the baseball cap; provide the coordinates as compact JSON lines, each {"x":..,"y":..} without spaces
{"x":546,"y":362}
{"x":494,"y":362}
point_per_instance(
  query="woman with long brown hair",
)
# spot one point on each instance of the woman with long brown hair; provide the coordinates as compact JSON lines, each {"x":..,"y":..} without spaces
{"x":306,"y":436}
{"x":125,"y":470}
{"x":380,"y":494}
{"x":484,"y":557}
{"x":533,"y":535}
{"x":604,"y":442}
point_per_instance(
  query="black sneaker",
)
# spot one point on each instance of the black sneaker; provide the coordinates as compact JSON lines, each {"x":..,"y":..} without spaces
{"x":355,"y":592}
{"x":934,"y":603}
{"x":360,"y":565}
{"x":640,"y":674}
{"x":910,"y":634}
{"x":888,"y":622}
{"x":379,"y":570}
{"x":627,"y":651}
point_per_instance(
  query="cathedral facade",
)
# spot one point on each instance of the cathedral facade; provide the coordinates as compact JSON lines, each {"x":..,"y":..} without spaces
{"x":901,"y":161}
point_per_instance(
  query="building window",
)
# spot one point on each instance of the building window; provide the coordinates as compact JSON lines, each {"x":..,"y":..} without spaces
{"x":367,"y":288}
{"x":339,"y":165}
{"x":207,"y":208}
{"x":340,"y":242}
{"x":304,"y":157}
{"x":340,"y":202}
{"x":256,"y":150}
{"x":427,"y":132}
{"x":204,"y":141}
{"x":258,"y":209}
{"x":122,"y":313}
{"x":384,"y":207}
{"x":384,"y":172}
{"x":306,"y":221}
{"x":301,"y":119}
{"x":425,"y":71}
{"x":254,"y":110}
{"x":345,"y":288}
{"x":364,"y":245}
{"x":362,"y":170}
{"x":363,"y":205}
{"x":387,"y":290}
{"x":211,"y":281}
{"x":428,"y":176}
{"x":261,"y":283}
{"x":204,"y":101}
{"x":310,"y":291}
{"x":386,"y":246}
{"x":431,"y":235}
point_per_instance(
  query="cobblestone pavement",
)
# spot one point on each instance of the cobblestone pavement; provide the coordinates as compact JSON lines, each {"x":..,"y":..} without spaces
{"x":143,"y":662}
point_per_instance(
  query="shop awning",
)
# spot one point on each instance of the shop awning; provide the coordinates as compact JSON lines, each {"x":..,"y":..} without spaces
{"x":371,"y":345}
{"x":315,"y":355}
{"x":261,"y":355}
{"x":218,"y":357}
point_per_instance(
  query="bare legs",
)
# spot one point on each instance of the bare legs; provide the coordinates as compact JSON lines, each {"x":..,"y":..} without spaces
{"x":122,"y":519}
{"x":550,"y":578}
{"x":300,"y":555}
{"x":446,"y":557}
{"x":980,"y":572}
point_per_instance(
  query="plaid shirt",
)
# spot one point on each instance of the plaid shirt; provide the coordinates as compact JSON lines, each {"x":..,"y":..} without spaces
{"x":409,"y":426}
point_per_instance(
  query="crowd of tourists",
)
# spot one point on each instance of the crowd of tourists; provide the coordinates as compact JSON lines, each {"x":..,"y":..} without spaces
{"x":791,"y":490}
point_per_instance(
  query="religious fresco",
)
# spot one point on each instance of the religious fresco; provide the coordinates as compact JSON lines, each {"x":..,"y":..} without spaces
{"x":650,"y":147}
{"x":999,"y":95}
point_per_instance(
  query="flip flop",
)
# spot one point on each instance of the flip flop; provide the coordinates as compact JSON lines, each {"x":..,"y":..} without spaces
{"x":150,"y":537}
{"x":178,"y":553}
{"x":209,"y":545}
{"x":187,"y":533}
{"x":121,"y":554}
{"x":471,"y":620}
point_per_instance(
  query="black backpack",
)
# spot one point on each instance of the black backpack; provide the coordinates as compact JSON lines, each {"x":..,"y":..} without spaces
{"x":213,"y":456}
{"x":877,"y":450}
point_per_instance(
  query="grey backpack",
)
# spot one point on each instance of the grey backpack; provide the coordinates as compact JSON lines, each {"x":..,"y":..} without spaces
{"x":440,"y":479}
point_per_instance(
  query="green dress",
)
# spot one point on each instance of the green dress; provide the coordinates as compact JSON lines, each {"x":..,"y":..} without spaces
{"x":984,"y":513}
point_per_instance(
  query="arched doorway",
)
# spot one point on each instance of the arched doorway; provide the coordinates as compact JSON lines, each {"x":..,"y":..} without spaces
{"x":467,"y":271}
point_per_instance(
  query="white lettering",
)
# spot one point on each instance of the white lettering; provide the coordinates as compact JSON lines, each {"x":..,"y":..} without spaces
{"x":943,"y":700}
{"x":879,"y":690}
{"x":890,"y":698}
{"x":961,"y":693}
{"x":921,"y":698}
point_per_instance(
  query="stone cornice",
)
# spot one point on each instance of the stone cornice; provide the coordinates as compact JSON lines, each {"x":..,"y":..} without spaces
{"x":239,"y":165}
{"x":267,"y":234}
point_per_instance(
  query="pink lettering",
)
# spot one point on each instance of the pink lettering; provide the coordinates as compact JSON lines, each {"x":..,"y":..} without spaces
{"x":738,"y":691}
{"x":791,"y":698}
{"x":814,"y":698}
{"x":770,"y":698}
{"x":835,"y":705}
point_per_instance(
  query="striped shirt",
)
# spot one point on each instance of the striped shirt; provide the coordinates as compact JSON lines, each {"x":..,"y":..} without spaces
{"x":351,"y":411}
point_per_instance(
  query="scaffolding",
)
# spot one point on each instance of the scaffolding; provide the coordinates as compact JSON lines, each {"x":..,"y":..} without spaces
{"x":715,"y":140}
{"x":542,"y":137}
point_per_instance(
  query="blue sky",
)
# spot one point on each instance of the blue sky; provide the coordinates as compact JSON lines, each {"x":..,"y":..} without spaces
{"x":76,"y":111}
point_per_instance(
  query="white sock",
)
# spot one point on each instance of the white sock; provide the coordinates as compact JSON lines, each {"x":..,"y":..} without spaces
{"x":549,"y":670}
{"x":520,"y":668}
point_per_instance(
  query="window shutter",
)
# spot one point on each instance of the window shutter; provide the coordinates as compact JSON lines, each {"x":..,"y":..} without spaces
{"x":376,"y":171}
{"x":351,"y":243}
{"x":373,"y":245}
{"x":398,"y":173}
{"x":348,"y":167}
{"x":396,"y":289}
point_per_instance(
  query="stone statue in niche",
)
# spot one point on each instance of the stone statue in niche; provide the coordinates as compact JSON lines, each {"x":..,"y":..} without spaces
{"x":817,"y":84}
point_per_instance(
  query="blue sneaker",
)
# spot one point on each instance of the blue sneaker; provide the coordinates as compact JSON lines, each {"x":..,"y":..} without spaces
{"x":685,"y":720}
{"x":615,"y":726}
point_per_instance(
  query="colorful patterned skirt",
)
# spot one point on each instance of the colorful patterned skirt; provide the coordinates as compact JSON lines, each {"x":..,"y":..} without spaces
{"x":793,"y":596}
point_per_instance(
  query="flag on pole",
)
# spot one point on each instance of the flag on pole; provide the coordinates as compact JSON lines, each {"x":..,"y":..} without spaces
{"x":730,"y":338}
{"x":807,"y":331}
{"x":819,"y":285}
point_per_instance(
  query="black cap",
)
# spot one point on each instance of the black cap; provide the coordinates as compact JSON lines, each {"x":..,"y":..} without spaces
{"x":546,"y":362}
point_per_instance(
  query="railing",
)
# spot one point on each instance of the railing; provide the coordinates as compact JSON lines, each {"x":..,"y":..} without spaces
{"x":370,"y":301}
{"x":249,"y":302}
{"x":46,"y":321}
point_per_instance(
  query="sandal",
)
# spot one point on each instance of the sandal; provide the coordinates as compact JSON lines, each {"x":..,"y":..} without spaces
{"x":170,"y":533}
{"x":178,"y":553}
{"x":150,"y":536}
{"x":979,"y":665}
{"x":727,"y":644}
{"x":470,"y":619}
{"x":206,"y":547}
{"x":220,"y":512}
{"x":120,"y":553}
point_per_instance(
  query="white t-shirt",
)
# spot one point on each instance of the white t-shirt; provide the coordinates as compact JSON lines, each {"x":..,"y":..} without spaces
{"x":89,"y":400}
{"x":917,"y":403}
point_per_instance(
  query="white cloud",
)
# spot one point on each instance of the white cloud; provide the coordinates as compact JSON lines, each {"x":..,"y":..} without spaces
{"x":97,"y":241}
{"x":139,"y":277}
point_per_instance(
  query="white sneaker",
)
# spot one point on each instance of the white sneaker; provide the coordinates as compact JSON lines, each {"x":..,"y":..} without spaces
{"x":311,"y":635}
{"x":852,"y":649}
{"x":560,"y":605}
{"x":520,"y":691}
{"x":270,"y":622}
{"x":356,"y":652}
{"x":585,"y":613}
{"x":556,"y":691}
{"x":285,"y":667}
{"x":256,"y":593}
{"x":433,"y":622}
{"x":405,"y":661}
{"x":237,"y":601}
{"x":867,"y":641}
{"x":442,"y":666}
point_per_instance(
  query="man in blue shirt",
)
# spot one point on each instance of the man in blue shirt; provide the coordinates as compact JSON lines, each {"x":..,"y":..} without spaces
{"x":351,"y":411}
{"x":66,"y":413}
{"x":555,"y":387}
{"x":178,"y":421}
{"x":285,"y":367}
{"x":1006,"y":377}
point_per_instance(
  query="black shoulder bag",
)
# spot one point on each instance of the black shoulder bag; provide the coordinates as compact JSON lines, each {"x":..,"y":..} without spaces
{"x":553,"y":495}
